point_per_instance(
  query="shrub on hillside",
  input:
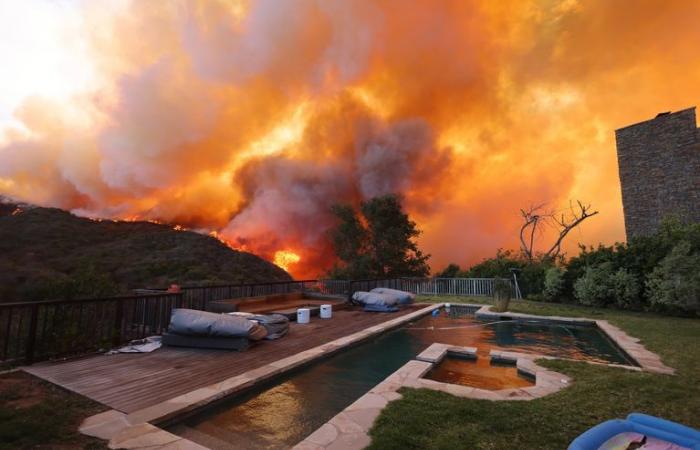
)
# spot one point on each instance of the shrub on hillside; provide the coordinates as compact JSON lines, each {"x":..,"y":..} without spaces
{"x":674,"y":285}
{"x":553,"y":284}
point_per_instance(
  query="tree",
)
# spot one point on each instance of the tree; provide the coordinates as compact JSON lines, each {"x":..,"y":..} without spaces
{"x":377,"y":241}
{"x":536,"y":217}
{"x":451,"y":271}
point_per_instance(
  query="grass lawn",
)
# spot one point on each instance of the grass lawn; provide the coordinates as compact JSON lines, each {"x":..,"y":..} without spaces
{"x":425,"y":419}
{"x":38,"y":415}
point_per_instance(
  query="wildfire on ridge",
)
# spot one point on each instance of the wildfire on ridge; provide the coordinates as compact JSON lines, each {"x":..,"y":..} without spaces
{"x":285,"y":259}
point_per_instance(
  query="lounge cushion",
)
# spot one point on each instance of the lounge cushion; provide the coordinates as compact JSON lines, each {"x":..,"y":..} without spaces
{"x":380,"y":308}
{"x":276,"y":325}
{"x":189,"y":322}
{"x":404,"y":297}
{"x":228,"y":343}
{"x":374,"y":298}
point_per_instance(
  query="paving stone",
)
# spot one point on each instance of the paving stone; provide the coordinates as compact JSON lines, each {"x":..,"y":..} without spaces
{"x":391,"y":396}
{"x":324,"y":435}
{"x":306,"y":445}
{"x":142,"y":436}
{"x":459,"y":391}
{"x":364,"y":417}
{"x":353,"y":441}
{"x":104,"y":425}
{"x":344,"y":424}
{"x":368,"y":401}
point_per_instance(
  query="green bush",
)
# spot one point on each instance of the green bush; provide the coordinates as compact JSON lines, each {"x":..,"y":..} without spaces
{"x":626,"y":289}
{"x":594,"y":287}
{"x":531,"y":273}
{"x":674,"y":285}
{"x":553,"y":284}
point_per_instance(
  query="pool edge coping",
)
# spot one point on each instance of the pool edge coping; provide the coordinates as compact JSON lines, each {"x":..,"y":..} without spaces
{"x":136,"y":429}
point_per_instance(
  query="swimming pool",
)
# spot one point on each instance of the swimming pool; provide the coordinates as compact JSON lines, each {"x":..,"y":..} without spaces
{"x":284,"y":411}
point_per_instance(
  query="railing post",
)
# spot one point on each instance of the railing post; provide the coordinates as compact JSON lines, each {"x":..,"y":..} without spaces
{"x":118,"y":319}
{"x":31,"y":339}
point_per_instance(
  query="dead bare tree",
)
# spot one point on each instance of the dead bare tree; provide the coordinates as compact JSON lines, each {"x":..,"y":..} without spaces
{"x":536,"y":217}
{"x":532,"y":218}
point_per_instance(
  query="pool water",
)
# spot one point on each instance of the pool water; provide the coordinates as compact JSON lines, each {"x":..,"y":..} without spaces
{"x":281,"y":413}
{"x":578,"y":342}
{"x":480,"y":373}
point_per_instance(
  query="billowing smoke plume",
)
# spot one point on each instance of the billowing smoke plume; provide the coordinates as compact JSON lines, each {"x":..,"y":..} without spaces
{"x":252,"y":118}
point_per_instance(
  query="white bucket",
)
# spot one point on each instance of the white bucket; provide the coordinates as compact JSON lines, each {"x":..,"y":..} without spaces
{"x":303,"y":315}
{"x":326,"y":311}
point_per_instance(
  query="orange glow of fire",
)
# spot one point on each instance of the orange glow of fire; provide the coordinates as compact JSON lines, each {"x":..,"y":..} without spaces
{"x":216,"y":235}
{"x":285,"y":259}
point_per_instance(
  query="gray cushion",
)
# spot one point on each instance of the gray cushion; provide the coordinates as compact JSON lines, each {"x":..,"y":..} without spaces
{"x":190,"y":322}
{"x":374,"y":298}
{"x":404,"y":297}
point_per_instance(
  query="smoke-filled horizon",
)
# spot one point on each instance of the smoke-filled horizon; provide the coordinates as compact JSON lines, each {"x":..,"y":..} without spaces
{"x":251,"y":119}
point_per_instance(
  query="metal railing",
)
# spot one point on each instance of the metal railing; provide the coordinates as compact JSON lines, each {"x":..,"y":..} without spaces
{"x":471,"y":287}
{"x":34,"y":331}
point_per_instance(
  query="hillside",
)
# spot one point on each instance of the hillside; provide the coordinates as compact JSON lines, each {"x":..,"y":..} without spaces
{"x":50,"y":253}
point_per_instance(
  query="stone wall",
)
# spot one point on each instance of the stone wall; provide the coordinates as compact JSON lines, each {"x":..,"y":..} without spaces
{"x":659,"y":163}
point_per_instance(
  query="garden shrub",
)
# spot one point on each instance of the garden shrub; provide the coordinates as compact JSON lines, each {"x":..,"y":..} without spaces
{"x":674,"y":285}
{"x":626,"y":289}
{"x":553,"y":284}
{"x":531,"y":273}
{"x":594,"y":287}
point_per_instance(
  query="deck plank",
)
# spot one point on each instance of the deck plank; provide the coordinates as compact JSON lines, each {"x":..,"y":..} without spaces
{"x":129,"y":382}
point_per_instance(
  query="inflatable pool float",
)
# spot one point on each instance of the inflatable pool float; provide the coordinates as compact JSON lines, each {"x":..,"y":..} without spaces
{"x":638,"y":431}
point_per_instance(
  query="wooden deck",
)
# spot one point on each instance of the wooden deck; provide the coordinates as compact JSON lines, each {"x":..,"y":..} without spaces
{"x":130,"y":382}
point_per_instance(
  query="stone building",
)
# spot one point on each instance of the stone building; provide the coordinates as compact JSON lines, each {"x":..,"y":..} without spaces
{"x":659,"y":163}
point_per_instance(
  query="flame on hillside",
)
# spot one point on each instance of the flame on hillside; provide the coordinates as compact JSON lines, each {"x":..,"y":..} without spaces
{"x":285,"y":259}
{"x":253,"y":118}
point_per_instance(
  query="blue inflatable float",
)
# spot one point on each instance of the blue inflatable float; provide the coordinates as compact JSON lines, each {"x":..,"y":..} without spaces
{"x":649,"y":426}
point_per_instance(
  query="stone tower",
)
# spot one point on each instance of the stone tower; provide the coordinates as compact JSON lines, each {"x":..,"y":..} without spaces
{"x":659,"y":162}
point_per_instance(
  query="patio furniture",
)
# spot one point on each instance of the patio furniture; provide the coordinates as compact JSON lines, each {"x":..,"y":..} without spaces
{"x":326,"y":311}
{"x":404,"y":298}
{"x":303,"y":315}
{"x":218,"y":343}
{"x":277,"y":325}
{"x":376,"y":302}
{"x":201,"y":329}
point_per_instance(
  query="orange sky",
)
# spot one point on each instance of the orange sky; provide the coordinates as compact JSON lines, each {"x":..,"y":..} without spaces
{"x":252,"y":118}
